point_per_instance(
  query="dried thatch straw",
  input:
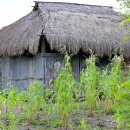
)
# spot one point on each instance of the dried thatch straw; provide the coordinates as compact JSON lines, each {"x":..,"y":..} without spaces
{"x":21,"y":35}
{"x":71,"y":25}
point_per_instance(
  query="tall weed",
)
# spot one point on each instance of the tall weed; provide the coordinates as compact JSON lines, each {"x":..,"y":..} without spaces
{"x":33,"y":101}
{"x":122,"y":106}
{"x":64,"y":92}
{"x":89,"y":83}
{"x":110,"y":78}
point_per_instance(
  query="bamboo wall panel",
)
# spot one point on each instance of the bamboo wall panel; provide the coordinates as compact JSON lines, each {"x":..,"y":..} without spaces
{"x":21,"y":71}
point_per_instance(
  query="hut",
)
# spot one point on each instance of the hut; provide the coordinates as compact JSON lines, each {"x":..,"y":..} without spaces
{"x":30,"y":47}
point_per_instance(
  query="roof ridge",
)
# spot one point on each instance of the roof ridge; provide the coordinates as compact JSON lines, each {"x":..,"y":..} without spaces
{"x":72,"y":3}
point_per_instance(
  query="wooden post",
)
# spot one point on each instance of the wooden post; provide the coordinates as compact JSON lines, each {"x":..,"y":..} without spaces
{"x":43,"y":50}
{"x":30,"y":71}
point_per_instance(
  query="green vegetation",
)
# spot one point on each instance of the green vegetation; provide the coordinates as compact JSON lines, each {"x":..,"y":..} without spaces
{"x":64,"y":92}
{"x":89,"y":82}
{"x":125,"y":4}
{"x":67,"y":104}
{"x":122,"y":97}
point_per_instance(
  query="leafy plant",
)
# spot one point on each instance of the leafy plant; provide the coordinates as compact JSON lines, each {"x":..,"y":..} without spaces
{"x":83,"y":124}
{"x":110,"y":80}
{"x":12,"y":98}
{"x":12,"y":121}
{"x":122,"y":105}
{"x":64,"y":92}
{"x":34,"y":101}
{"x":89,"y":83}
{"x":3,"y":102}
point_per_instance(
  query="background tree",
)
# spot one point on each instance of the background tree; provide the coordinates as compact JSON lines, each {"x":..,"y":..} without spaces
{"x":125,"y":4}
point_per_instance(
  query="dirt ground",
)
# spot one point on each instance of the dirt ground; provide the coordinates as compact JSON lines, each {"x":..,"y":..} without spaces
{"x":97,"y":122}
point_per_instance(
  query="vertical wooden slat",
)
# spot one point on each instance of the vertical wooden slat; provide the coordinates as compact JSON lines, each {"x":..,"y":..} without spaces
{"x":20,"y":71}
{"x":6,"y":73}
{"x":30,"y":78}
{"x":82,"y":63}
{"x":75,"y":66}
{"x":21,"y":84}
{"x":38,"y":68}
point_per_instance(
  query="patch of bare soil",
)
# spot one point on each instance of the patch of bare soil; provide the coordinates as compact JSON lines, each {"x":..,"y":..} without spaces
{"x":97,"y":122}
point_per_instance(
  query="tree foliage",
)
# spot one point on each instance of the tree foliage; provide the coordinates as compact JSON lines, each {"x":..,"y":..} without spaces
{"x":125,"y":4}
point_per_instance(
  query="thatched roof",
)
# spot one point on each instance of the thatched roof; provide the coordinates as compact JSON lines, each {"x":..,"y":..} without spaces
{"x":74,"y":26}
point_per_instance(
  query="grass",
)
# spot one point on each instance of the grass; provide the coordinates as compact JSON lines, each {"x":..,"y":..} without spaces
{"x":69,"y":104}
